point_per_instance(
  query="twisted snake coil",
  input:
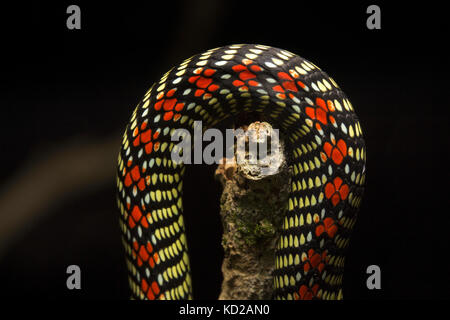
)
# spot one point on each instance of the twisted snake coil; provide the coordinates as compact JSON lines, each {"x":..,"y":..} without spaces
{"x":326,"y":153}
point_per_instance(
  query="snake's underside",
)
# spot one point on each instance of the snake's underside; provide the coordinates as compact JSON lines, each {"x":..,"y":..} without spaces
{"x":325,"y":150}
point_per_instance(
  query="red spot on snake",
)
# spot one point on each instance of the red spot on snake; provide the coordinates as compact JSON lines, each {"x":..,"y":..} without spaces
{"x":342,"y":146}
{"x":293,"y":73}
{"x":146,"y":136}
{"x":209,"y":72}
{"x":141,"y":184}
{"x":144,"y":285}
{"x":151,"y":262}
{"x":335,"y":199}
{"x":245,"y":75}
{"x":143,"y":253}
{"x":290,"y":85}
{"x":284,"y":76}
{"x":144,"y":222}
{"x":136,"y":213}
{"x":321,"y":103}
{"x":318,"y":127}
{"x":337,"y":152}
{"x":156,"y":135}
{"x":301,"y":84}
{"x":238,"y":83}
{"x":156,"y":145}
{"x":149,"y":247}
{"x":320,"y":267}
{"x":327,"y":147}
{"x":198,"y":70}
{"x":170,"y":93}
{"x":310,"y":112}
{"x":328,"y":226}
{"x":149,"y":148}
{"x":255,"y":68}
{"x":332,"y":120}
{"x":305,"y":293}
{"x":176,"y":116}
{"x":199,"y":92}
{"x":344,"y":191}
{"x":336,"y":191}
{"x":213,"y":87}
{"x":135,"y":131}
{"x":169,"y":104}
{"x":155,"y":287}
{"x":315,"y":261}
{"x":203,"y":82}
{"x":329,"y":190}
{"x":150,"y":295}
{"x":156,"y":257}
{"x":131,"y":223}
{"x":135,"y":174}
{"x":321,"y":116}
{"x":136,"y":141}
{"x":278,"y":88}
{"x":330,"y":105}
{"x":337,"y":156}
{"x":239,"y":68}
{"x":179,"y":106}
{"x":193,"y":79}
{"x":319,"y":113}
{"x":158,"y":105}
{"x":253,"y":83}
{"x":144,"y":125}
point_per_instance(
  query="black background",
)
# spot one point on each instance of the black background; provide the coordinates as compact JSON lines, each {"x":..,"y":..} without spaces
{"x":59,"y":84}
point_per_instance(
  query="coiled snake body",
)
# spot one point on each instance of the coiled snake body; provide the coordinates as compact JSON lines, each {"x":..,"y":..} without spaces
{"x":326,"y":153}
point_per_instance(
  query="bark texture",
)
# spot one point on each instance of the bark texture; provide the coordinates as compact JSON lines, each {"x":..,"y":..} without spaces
{"x":252,"y":209}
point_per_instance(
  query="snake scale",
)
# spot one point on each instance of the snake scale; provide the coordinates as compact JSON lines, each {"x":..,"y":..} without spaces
{"x":325,"y":151}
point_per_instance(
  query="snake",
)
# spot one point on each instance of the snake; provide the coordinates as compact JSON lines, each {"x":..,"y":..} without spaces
{"x":325,"y":151}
